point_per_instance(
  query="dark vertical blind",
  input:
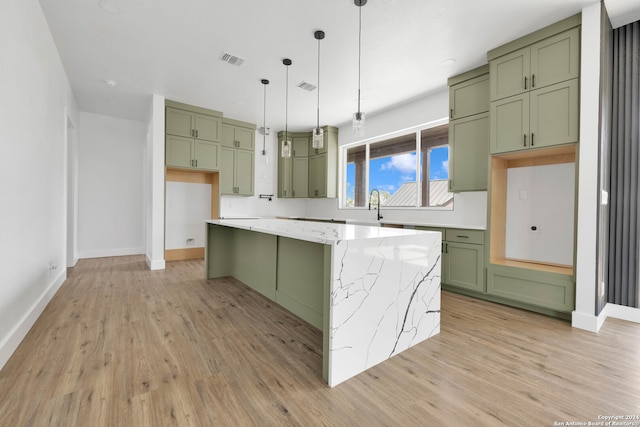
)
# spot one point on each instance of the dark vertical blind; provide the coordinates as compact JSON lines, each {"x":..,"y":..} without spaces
{"x":624,"y":177}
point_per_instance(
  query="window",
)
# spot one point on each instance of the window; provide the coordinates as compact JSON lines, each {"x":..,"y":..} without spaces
{"x":396,"y":167}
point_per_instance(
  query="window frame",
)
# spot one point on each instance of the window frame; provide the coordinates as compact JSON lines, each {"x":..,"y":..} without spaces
{"x":367,"y":143}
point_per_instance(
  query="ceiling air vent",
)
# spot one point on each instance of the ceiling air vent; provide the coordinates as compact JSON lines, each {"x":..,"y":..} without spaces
{"x":231,"y":59}
{"x":307,"y":86}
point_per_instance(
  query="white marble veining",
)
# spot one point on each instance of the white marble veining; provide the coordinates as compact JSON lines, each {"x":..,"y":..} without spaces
{"x":384,"y":288}
{"x":385,"y":298}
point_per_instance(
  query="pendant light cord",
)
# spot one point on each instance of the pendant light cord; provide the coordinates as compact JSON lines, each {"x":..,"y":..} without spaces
{"x":286,"y":104}
{"x":359,"y":50}
{"x":318,"y":116}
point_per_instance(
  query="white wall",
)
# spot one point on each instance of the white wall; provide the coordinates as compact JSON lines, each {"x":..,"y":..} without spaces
{"x":110,"y":186}
{"x":188,"y":206}
{"x":35,"y":104}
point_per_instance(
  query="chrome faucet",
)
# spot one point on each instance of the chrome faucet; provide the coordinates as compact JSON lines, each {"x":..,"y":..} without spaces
{"x":376,"y":190}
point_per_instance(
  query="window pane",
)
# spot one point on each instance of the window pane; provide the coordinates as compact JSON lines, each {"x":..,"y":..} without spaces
{"x":355,"y":174}
{"x":437,"y":194}
{"x":392,"y":171}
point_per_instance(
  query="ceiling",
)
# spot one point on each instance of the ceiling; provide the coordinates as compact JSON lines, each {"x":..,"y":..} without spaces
{"x":173,"y":48}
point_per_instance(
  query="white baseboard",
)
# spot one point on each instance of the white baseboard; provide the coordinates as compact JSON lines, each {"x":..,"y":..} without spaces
{"x":15,"y":337}
{"x":102,"y":253}
{"x":156,"y":264}
{"x":588,"y":322}
{"x":624,"y":313}
{"x":593,"y":323}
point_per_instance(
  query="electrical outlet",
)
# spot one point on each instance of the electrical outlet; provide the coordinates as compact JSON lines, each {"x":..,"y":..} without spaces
{"x":191,"y":241}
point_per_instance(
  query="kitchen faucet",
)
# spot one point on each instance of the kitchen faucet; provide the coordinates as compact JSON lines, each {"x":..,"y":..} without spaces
{"x":371,"y":194}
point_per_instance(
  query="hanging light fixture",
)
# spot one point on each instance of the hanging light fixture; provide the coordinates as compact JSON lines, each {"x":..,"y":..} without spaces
{"x":286,"y":142}
{"x":264,"y":129}
{"x":358,"y":116}
{"x":318,"y":133}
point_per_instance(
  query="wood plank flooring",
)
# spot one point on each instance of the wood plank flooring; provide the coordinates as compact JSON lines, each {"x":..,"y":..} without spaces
{"x":120,"y":345}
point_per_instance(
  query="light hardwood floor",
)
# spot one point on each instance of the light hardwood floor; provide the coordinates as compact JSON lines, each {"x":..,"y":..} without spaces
{"x":120,"y":345}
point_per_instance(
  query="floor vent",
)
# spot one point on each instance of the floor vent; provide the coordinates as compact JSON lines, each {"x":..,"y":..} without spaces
{"x":307,"y":86}
{"x":231,"y":59}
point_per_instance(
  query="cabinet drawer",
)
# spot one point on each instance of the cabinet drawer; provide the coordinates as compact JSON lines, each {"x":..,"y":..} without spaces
{"x":539,"y":288}
{"x":464,"y":236}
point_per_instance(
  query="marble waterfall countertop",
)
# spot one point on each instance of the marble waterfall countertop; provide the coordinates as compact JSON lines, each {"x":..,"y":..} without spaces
{"x":318,"y":232}
{"x":381,"y":295}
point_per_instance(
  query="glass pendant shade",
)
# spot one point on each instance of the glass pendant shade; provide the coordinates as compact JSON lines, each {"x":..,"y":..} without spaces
{"x":286,"y":148}
{"x":318,"y":138}
{"x":358,"y":123}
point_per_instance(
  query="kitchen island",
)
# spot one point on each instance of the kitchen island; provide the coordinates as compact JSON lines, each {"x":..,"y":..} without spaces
{"x":373,"y":291}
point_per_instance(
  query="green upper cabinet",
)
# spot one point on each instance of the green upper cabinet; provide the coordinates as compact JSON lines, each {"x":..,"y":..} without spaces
{"x":190,"y":153}
{"x":191,"y":136}
{"x":469,"y":153}
{"x":236,"y":172}
{"x":309,"y":172}
{"x":237,"y":158}
{"x":192,"y":124}
{"x":470,"y":96}
{"x":237,"y":136}
{"x":323,"y":166}
{"x":300,"y":146}
{"x":549,"y":61}
{"x":469,"y":130}
{"x":300,"y":177}
{"x":540,"y":118}
{"x":535,"y":89}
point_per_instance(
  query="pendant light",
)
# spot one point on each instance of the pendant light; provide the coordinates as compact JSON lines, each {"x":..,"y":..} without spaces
{"x":358,"y":116}
{"x":286,"y":142}
{"x":318,"y":133}
{"x":264,"y":129}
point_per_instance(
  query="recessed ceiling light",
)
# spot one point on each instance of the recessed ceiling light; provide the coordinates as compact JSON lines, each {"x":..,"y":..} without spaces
{"x":110,"y":83}
{"x":448,"y":62}
{"x":109,"y":6}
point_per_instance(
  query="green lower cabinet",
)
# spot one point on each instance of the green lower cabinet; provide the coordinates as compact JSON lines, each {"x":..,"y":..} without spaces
{"x":553,"y":291}
{"x":300,"y":278}
{"x":463,"y":266}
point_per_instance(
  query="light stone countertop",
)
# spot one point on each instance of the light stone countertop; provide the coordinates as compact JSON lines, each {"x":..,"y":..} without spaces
{"x":319,"y":232}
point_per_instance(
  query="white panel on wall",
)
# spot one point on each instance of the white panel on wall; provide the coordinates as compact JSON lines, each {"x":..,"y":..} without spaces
{"x":540,"y":213}
{"x":188,"y":206}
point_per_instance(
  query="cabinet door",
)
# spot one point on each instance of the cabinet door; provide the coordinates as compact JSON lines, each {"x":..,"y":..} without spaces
{"x":469,"y":153}
{"x":228,"y":135}
{"x":509,"y":74}
{"x":226,"y":167}
{"x":321,"y":175}
{"x":285,"y":171}
{"x":469,"y":97}
{"x":509,"y":124}
{"x":555,"y":114}
{"x":244,"y":172}
{"x":300,"y":184}
{"x":463,"y":266}
{"x":555,"y":59}
{"x":178,"y":151}
{"x":313,"y":176}
{"x":300,"y":146}
{"x":245,"y":138}
{"x":205,"y":154}
{"x":179,"y":122}
{"x":207,"y":127}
